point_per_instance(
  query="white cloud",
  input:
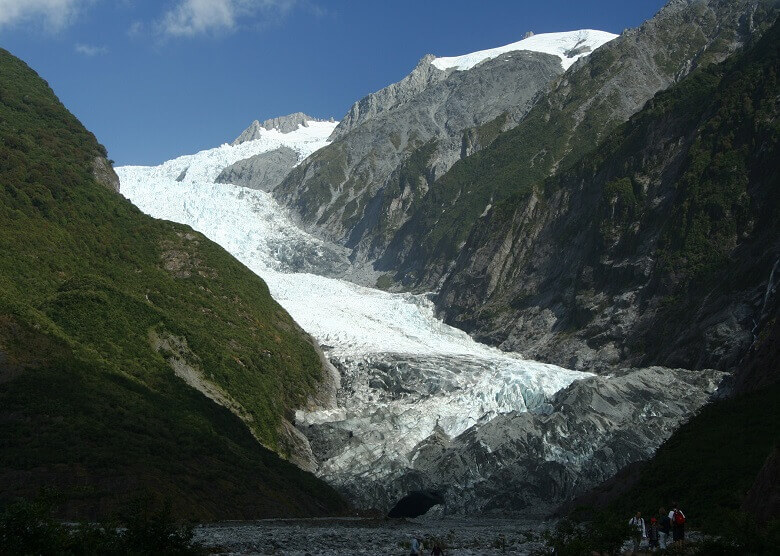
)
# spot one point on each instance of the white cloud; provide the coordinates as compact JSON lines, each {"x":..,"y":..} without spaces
{"x":91,"y":50}
{"x":196,"y":17}
{"x":54,"y":14}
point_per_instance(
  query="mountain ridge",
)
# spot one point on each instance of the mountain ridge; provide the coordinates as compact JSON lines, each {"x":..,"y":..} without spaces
{"x":595,"y":96}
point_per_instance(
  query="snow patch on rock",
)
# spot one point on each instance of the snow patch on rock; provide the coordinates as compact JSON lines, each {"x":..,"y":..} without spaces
{"x":569,"y":46}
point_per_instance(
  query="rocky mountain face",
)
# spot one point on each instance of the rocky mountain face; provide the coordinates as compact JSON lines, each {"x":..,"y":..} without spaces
{"x":395,"y":143}
{"x":579,"y":110}
{"x":597,"y":235}
{"x":263,"y":171}
{"x":135,"y":354}
{"x":660,"y":246}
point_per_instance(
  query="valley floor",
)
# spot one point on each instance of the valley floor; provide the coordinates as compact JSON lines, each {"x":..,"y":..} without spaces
{"x":370,"y":536}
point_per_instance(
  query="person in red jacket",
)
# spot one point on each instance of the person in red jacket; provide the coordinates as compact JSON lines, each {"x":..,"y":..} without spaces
{"x":677,"y":518}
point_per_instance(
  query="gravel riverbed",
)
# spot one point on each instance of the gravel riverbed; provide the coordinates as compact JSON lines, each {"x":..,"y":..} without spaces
{"x":300,"y":537}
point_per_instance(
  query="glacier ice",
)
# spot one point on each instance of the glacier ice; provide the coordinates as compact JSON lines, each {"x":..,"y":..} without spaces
{"x":405,"y":375}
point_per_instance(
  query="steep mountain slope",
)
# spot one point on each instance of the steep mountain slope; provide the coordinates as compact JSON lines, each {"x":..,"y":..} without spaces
{"x":582,"y":107}
{"x":656,"y":248}
{"x":116,"y":329}
{"x":394,"y":143}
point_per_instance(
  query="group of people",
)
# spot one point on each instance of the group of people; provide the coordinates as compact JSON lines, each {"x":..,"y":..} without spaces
{"x":662,"y":531}
{"x":418,"y":548}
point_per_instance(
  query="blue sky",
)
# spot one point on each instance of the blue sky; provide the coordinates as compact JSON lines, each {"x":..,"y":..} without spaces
{"x":154,"y":79}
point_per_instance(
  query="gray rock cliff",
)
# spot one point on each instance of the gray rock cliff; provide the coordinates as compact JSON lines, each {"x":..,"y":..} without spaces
{"x":392,"y":144}
{"x":263,"y":171}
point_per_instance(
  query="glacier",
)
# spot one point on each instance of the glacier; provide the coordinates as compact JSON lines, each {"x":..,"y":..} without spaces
{"x":418,"y":406}
{"x":404,"y":374}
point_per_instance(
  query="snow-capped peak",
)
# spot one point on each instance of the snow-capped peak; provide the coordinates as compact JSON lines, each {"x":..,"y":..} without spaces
{"x":569,"y":46}
{"x":206,"y":165}
{"x":282,"y":124}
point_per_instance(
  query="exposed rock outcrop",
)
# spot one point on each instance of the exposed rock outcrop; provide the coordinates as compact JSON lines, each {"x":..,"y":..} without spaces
{"x":263,"y":171}
{"x":104,"y":173}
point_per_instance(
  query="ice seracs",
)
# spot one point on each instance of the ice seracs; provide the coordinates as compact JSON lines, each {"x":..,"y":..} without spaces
{"x":569,"y":46}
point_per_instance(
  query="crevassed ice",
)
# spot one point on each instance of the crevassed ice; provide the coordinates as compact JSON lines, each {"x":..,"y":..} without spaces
{"x":569,"y":46}
{"x":405,"y":374}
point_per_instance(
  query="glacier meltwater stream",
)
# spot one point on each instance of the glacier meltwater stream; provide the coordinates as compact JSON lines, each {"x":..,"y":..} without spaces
{"x":405,"y":375}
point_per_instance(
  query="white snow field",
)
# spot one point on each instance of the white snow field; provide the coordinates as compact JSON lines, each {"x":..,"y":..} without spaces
{"x":405,"y":375}
{"x":569,"y":46}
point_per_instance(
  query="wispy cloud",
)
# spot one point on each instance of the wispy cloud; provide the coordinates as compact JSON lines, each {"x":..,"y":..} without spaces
{"x":53,"y":14}
{"x":190,"y":18}
{"x":90,"y":50}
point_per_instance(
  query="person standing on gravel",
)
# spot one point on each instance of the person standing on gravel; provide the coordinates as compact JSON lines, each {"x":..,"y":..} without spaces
{"x":417,"y":548}
{"x":677,"y":518}
{"x":638,"y":530}
{"x":653,"y":534}
{"x":665,"y":529}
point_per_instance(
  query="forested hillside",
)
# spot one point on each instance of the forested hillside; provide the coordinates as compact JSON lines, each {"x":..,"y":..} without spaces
{"x":109,"y":322}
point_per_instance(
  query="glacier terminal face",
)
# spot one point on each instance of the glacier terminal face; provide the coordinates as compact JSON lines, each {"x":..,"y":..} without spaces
{"x":421,"y":406}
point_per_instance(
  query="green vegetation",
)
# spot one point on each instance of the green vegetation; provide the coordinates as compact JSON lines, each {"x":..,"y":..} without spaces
{"x":384,"y":282}
{"x":30,"y":528}
{"x":85,"y":400}
{"x":714,"y":205}
{"x":605,"y":534}
{"x":710,"y":463}
{"x":487,"y":133}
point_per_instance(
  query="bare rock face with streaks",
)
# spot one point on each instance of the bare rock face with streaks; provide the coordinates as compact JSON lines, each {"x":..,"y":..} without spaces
{"x":394,"y":143}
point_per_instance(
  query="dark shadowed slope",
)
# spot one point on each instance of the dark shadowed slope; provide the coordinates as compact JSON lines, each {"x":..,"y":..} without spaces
{"x":660,"y":247}
{"x":101,"y":307}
